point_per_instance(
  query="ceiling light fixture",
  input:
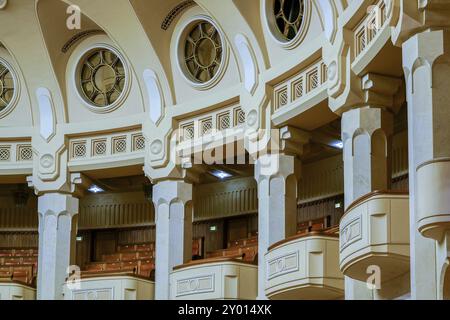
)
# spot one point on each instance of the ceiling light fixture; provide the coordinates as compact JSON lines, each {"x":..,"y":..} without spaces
{"x":221,"y":174}
{"x":95,"y":189}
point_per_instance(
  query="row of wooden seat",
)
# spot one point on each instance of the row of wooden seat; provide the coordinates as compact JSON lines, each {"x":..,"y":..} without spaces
{"x":25,"y":274}
{"x":18,"y":252}
{"x":243,"y":242}
{"x":17,"y":260}
{"x":313,"y":225}
{"x":242,"y":249}
{"x":19,"y":265}
{"x":142,"y":267}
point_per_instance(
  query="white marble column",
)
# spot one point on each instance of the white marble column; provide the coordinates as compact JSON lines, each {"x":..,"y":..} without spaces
{"x":277,"y":178}
{"x":366,"y":135}
{"x":174,"y":215}
{"x":57,"y":233}
{"x":426,"y":62}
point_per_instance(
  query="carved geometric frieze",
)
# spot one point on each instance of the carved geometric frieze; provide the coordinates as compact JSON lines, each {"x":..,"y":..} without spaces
{"x":282,"y":265}
{"x":351,"y":232}
{"x":195,"y":285}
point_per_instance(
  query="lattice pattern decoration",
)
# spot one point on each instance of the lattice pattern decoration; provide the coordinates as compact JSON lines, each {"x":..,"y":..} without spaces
{"x":219,"y":120}
{"x":107,"y":145}
{"x":301,"y":85}
{"x":369,"y":27}
{"x":16,"y":152}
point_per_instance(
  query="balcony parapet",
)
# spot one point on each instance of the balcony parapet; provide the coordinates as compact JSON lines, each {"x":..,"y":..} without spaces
{"x":215,"y":278}
{"x":433,"y":187}
{"x":305,"y":267}
{"x":374,"y":231}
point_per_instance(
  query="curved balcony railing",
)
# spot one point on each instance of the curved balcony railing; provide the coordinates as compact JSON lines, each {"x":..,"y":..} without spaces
{"x":304,"y":267}
{"x":214,"y":278}
{"x":433,"y":186}
{"x":374,"y":233}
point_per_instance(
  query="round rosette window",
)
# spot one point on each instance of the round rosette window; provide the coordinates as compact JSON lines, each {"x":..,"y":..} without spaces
{"x":203,"y":52}
{"x":102,"y":78}
{"x":6,"y":86}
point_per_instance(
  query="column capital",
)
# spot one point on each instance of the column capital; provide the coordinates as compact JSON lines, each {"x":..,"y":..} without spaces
{"x":57,"y":204}
{"x":170,"y":191}
{"x":380,"y":90}
{"x":293,"y":140}
{"x":277,"y":165}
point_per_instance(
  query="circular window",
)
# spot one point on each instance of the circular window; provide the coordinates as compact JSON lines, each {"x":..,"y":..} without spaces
{"x":289,"y":17}
{"x":203,"y":51}
{"x":6,"y":86}
{"x":102,"y":77}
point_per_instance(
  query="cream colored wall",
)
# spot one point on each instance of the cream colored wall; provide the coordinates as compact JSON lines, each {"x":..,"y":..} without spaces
{"x":20,"y":114}
{"x":216,"y":281}
{"x":111,"y":288}
{"x":14,"y":291}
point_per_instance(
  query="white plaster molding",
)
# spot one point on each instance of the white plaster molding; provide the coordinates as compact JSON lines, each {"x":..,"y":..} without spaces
{"x":155,"y":95}
{"x":47,"y":121}
{"x":249,"y":63}
{"x":329,"y":14}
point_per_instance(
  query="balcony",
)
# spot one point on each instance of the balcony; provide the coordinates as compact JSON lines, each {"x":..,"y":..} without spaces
{"x":374,"y":231}
{"x":111,"y":287}
{"x":433,"y":187}
{"x":215,"y":278}
{"x":10,"y":290}
{"x":305,"y":267}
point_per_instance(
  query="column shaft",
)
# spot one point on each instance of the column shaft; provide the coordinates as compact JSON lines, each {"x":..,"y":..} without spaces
{"x":174,"y":215}
{"x":57,"y":232}
{"x":277,"y":178}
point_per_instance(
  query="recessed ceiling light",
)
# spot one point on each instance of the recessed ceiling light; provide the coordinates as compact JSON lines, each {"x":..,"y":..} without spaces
{"x":221,"y":174}
{"x":95,"y":189}
{"x":338,"y":144}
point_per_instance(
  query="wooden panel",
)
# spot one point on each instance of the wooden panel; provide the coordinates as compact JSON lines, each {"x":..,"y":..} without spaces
{"x":140,"y":235}
{"x":225,"y":199}
{"x":237,"y":229}
{"x":112,"y":210}
{"x":19,"y":240}
{"x":320,"y":209}
{"x":105,"y":242}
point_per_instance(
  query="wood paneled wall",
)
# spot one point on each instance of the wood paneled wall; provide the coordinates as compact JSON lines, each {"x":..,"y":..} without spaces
{"x":322,"y":208}
{"x":225,"y":199}
{"x":112,"y":210}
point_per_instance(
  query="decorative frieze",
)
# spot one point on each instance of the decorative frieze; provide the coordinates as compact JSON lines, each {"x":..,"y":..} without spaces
{"x":206,"y":124}
{"x":300,"y":86}
{"x":369,"y":27}
{"x":11,"y":152}
{"x":282,"y":265}
{"x":350,"y":232}
{"x":195,"y":285}
{"x":115,"y":144}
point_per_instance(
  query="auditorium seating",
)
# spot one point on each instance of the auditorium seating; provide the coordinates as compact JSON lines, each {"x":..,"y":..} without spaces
{"x":19,"y":265}
{"x":137,"y":259}
{"x":243,"y":249}
{"x":319,"y":224}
